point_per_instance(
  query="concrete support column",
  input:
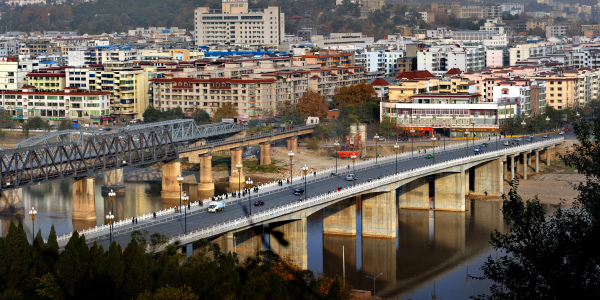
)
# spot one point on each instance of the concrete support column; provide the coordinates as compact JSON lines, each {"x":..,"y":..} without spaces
{"x":537,"y":161}
{"x":265,"y":154}
{"x":225,"y":242}
{"x":84,"y":204}
{"x":340,"y":218}
{"x":247,"y":243}
{"x":468,"y":187}
{"x":206,"y":180}
{"x":236,"y":158}
{"x":292,"y":144}
{"x":512,"y":167}
{"x":548,"y":156}
{"x":414,"y":194}
{"x":11,"y":201}
{"x":113,"y":180}
{"x":450,"y":191}
{"x":379,"y":214}
{"x":170,"y":186}
{"x":524,"y":165}
{"x":488,"y":178}
{"x":295,"y":233}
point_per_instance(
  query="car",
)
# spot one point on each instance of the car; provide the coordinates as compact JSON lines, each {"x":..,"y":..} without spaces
{"x":19,"y":127}
{"x":561,"y":133}
{"x":477,"y":150}
{"x":530,"y":139}
{"x":259,"y":203}
{"x":351,"y":177}
{"x":429,"y":156}
{"x":402,"y":139}
{"x":298,"y":191}
{"x":506,"y":143}
{"x":567,"y":129}
{"x":546,"y":135}
{"x":107,"y":129}
{"x":484,"y":145}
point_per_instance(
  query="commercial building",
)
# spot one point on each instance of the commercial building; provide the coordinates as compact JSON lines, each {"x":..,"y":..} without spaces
{"x":13,"y":72}
{"x":236,"y":24}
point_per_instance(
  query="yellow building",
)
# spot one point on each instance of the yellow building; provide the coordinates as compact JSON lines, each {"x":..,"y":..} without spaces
{"x":407,"y":88}
{"x":561,"y":91}
{"x":51,"y":82}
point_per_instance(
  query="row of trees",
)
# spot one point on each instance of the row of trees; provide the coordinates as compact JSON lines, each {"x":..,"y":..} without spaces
{"x":539,"y":123}
{"x":41,"y":271}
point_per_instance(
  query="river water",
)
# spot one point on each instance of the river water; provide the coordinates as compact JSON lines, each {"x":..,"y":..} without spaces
{"x":433,"y":253}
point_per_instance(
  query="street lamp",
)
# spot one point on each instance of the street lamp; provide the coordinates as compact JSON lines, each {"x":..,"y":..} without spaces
{"x":396,"y":148}
{"x":110,"y":218}
{"x":180,"y":181}
{"x":433,"y":139}
{"x":353,"y":157}
{"x":374,"y":278}
{"x":239,"y":167}
{"x":32,"y":213}
{"x":185,"y":200}
{"x":412,"y":150}
{"x":473,"y":122}
{"x":337,"y":148}
{"x":523,"y":136}
{"x":249,"y":183}
{"x":291,"y":155}
{"x":305,"y":170}
{"x":111,"y":196}
{"x":547,"y":122}
{"x":376,"y":144}
{"x":467,"y":135}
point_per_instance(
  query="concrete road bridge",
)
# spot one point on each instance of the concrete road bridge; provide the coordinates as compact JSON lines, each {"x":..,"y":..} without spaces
{"x":384,"y":186}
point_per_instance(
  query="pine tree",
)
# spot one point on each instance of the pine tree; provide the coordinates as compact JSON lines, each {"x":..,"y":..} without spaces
{"x":50,"y":253}
{"x":71,"y":267}
{"x":112,"y":265}
{"x":39,"y":247}
{"x":20,"y":271}
{"x":136,"y":269}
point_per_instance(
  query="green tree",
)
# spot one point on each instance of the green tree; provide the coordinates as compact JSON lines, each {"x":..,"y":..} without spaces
{"x":65,"y":125}
{"x":356,"y":94}
{"x":48,"y":288}
{"x":552,"y":257}
{"x":290,"y":115}
{"x":17,"y":270}
{"x":225,"y":111}
{"x":201,"y":117}
{"x":73,"y":264}
{"x":170,"y":293}
{"x":36,"y":123}
{"x":5,"y":120}
{"x":113,"y":268}
{"x":312,"y":104}
{"x":136,"y":269}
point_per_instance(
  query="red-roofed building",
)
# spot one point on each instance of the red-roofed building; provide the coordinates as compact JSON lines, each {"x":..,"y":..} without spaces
{"x":415,"y":75}
{"x":381,"y":87}
{"x":453,"y":72}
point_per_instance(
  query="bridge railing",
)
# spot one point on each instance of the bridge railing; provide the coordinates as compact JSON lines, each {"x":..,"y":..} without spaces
{"x":264,"y":215}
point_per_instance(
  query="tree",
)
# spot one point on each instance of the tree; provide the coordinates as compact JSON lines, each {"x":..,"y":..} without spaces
{"x":36,"y":123}
{"x":311,"y":103}
{"x":65,"y":125}
{"x":73,"y":264}
{"x":5,"y":120}
{"x":168,"y":293}
{"x":154,"y":115}
{"x":17,"y":270}
{"x":225,"y":111}
{"x":290,"y":114}
{"x":356,"y":94}
{"x":136,"y":269}
{"x":552,"y":257}
{"x":48,"y":287}
{"x":201,"y":117}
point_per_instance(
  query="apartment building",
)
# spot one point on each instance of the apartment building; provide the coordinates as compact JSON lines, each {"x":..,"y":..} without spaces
{"x":378,"y":60}
{"x":557,"y":30}
{"x":328,"y":59}
{"x":13,"y":72}
{"x":9,"y":48}
{"x":406,"y":89}
{"x":91,"y":108}
{"x":519,"y":97}
{"x":339,"y":40}
{"x":561,"y":91}
{"x":37,"y":47}
{"x":439,"y":59}
{"x":48,"y":80}
{"x":254,"y":94}
{"x":237,"y":25}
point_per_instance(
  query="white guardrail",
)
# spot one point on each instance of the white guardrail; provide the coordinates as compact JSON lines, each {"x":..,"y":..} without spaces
{"x":320,"y":175}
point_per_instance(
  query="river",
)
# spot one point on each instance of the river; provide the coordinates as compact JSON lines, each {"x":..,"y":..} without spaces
{"x":432,"y":254}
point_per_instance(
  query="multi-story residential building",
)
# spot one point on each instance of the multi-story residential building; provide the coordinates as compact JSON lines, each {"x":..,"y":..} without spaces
{"x":443,"y":114}
{"x":519,"y":97}
{"x":561,"y":91}
{"x":328,"y":59}
{"x":557,"y":30}
{"x":494,"y":58}
{"x":91,"y":108}
{"x":237,"y":25}
{"x":52,"y":80}
{"x":405,"y":89}
{"x":9,"y":48}
{"x":13,"y":72}
{"x":25,"y":2}
{"x":37,"y":47}
{"x":378,"y":60}
{"x":446,"y":8}
{"x":439,"y":59}
{"x":337,"y":40}
{"x":98,"y":55}
{"x":512,"y":8}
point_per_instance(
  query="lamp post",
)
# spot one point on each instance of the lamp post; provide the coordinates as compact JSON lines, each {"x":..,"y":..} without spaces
{"x":467,"y":135}
{"x":353,"y":157}
{"x":239,"y":167}
{"x":374,"y":278}
{"x":523,"y":136}
{"x":249,"y":183}
{"x":396,"y":148}
{"x":110,"y":218}
{"x":337,"y":148}
{"x":291,"y":155}
{"x":445,"y":127}
{"x":412,"y":150}
{"x":305,"y":171}
{"x":32,"y":213}
{"x":473,"y":133}
{"x":433,"y":139}
{"x":376,"y":146}
{"x":180,"y":181}
{"x":547,"y":122}
{"x":111,"y":196}
{"x":185,"y":200}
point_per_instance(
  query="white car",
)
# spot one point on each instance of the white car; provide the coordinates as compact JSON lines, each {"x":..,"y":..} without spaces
{"x":561,"y":133}
{"x":506,"y":143}
{"x":351,"y":177}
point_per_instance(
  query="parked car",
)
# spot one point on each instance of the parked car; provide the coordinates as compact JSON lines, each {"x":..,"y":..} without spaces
{"x":402,"y":139}
{"x":484,"y":145}
{"x":567,"y":129}
{"x":478,"y":150}
{"x":298,"y":191}
{"x":259,"y":203}
{"x":561,"y":133}
{"x":428,"y":156}
{"x":546,"y":135}
{"x":506,"y":143}
{"x":351,"y":177}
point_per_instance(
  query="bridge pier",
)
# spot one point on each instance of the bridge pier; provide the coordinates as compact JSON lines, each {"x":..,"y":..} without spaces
{"x":248,"y":242}
{"x":379,"y":214}
{"x":265,"y":154}
{"x":292,"y":144}
{"x":537,"y":161}
{"x":379,"y":256}
{"x":414,"y":194}
{"x":170,"y":186}
{"x":84,"y":203}
{"x":450,"y":191}
{"x":488,"y":178}
{"x":512,"y":167}
{"x":206,"y":180}
{"x":295,"y":233}
{"x":340,"y":218}
{"x":113,"y":180}
{"x":11,"y":201}
{"x":547,"y":156}
{"x":236,"y":158}
{"x":524,"y":165}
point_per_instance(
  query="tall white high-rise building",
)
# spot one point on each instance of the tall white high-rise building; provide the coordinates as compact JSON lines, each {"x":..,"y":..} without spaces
{"x":235,"y":24}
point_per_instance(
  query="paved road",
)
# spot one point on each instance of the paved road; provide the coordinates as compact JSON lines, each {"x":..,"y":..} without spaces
{"x":174,"y":225}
